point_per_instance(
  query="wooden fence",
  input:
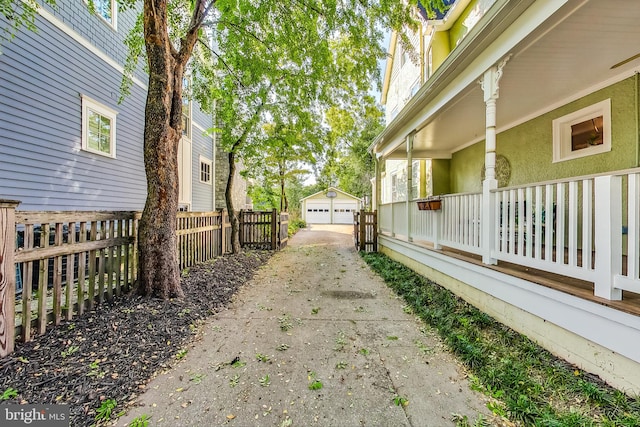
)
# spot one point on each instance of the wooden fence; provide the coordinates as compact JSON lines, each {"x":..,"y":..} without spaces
{"x":61,"y":264}
{"x":365,"y":231}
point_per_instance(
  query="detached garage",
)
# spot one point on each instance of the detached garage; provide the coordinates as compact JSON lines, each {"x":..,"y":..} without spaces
{"x":331,"y":206}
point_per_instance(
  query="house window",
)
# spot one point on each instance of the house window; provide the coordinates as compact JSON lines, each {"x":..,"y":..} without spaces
{"x":415,"y":179}
{"x":394,"y":187}
{"x":186,"y":108}
{"x":205,"y":170}
{"x":98,"y":128}
{"x":106,"y":9}
{"x":583,"y":133}
{"x":403,"y":56}
{"x":415,"y":88}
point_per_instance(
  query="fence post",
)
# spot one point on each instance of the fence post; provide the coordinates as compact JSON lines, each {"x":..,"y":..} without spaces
{"x":223,"y":233}
{"x":356,"y":215}
{"x":375,"y":230}
{"x":274,"y":229}
{"x":608,"y":235}
{"x":363,"y":234}
{"x":7,"y":275}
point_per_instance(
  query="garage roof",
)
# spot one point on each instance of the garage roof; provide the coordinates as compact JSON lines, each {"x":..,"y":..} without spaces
{"x":331,"y":189}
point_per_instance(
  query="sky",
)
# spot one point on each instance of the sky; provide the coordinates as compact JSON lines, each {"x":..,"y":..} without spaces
{"x":381,"y":66}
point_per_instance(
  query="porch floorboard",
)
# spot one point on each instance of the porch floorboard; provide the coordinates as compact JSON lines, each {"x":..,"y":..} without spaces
{"x":630,"y":302}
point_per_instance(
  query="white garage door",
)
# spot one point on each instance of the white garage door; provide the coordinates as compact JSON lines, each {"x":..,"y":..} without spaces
{"x":318,"y":212}
{"x":343,"y":212}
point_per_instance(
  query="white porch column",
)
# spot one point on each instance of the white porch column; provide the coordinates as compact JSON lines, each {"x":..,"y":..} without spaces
{"x":490,"y":87}
{"x":377,"y":189}
{"x":409,"y":182}
{"x":608,"y":236}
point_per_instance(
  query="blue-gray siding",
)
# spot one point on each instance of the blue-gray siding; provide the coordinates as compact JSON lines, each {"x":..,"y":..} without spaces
{"x":202,"y":194}
{"x":41,"y":161}
{"x":42,"y":77}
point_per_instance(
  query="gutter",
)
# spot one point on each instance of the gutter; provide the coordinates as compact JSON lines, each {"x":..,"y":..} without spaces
{"x":499,"y":17}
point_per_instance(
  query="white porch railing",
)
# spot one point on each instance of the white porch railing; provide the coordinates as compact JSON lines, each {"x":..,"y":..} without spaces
{"x":627,"y":276}
{"x":423,"y":224}
{"x":586,"y":227}
{"x":461,"y":222}
{"x":548,"y":227}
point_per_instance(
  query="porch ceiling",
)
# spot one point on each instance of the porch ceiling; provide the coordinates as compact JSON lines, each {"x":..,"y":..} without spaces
{"x":572,"y":53}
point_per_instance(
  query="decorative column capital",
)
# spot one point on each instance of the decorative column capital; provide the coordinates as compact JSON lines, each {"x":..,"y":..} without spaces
{"x":491,"y":78}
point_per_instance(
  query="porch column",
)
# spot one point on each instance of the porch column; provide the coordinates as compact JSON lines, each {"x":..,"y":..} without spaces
{"x":377,"y":190}
{"x":608,"y":236}
{"x":409,"y":182}
{"x":490,"y":87}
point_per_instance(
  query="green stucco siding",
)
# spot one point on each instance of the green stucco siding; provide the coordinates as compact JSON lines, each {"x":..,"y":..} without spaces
{"x":458,"y":30}
{"x":440,"y":171}
{"x":529,"y":147}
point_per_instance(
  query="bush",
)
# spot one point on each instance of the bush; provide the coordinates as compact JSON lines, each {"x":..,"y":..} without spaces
{"x":295,"y":225}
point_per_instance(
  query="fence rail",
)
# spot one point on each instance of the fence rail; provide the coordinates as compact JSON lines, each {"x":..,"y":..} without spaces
{"x":60,"y":264}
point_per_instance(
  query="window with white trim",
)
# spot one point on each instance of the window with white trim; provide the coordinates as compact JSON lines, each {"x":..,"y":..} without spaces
{"x":206,"y":167}
{"x":583,"y":133}
{"x":98,"y":128}
{"x":107,"y":10}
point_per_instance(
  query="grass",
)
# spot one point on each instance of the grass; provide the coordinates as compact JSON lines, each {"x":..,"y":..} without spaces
{"x":529,"y":385}
{"x":295,"y":225}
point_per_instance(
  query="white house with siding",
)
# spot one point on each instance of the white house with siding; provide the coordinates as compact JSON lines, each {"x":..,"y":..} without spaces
{"x":526,"y":125}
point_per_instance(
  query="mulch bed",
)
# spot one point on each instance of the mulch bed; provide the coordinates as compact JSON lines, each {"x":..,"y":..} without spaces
{"x":113,"y":351}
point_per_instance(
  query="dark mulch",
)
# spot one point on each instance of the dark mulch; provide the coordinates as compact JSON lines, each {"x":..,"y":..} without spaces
{"x":113,"y":351}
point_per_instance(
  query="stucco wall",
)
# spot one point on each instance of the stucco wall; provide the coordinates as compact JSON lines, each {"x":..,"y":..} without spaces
{"x":529,"y":146}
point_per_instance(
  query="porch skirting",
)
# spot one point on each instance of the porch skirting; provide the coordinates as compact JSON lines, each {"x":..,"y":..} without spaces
{"x":599,"y":339}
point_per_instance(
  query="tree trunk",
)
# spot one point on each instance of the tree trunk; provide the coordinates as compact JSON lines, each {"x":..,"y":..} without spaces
{"x":158,"y":259}
{"x":228,"y":195}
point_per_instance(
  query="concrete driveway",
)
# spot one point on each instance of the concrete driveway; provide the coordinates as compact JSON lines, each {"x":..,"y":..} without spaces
{"x":315,"y":339}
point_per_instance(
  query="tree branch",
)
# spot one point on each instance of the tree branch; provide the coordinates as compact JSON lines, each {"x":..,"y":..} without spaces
{"x":236,"y":78}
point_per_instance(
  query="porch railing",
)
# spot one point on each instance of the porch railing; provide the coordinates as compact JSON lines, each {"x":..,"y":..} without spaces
{"x":585,"y":227}
{"x":460,"y":221}
{"x":547,"y":227}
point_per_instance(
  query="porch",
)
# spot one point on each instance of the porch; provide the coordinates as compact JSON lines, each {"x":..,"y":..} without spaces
{"x":578,"y":235}
{"x":557,"y":260}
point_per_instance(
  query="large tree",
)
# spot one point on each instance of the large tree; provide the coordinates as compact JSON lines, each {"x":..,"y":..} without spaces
{"x":290,"y":59}
{"x":346,"y":160}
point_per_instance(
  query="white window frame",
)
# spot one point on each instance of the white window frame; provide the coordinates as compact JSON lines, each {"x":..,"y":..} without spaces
{"x":208,"y":162}
{"x":114,"y":14}
{"x":562,"y":132}
{"x":103,"y":110}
